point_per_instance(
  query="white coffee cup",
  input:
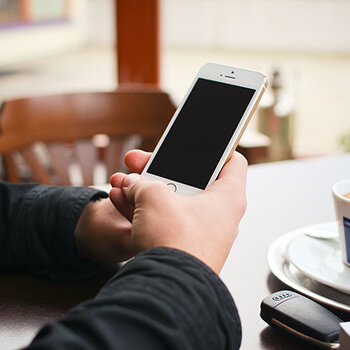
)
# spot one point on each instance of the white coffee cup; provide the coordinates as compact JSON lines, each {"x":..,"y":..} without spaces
{"x":342,"y":213}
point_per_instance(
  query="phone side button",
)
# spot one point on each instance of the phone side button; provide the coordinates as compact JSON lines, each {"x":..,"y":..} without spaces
{"x":172,"y":186}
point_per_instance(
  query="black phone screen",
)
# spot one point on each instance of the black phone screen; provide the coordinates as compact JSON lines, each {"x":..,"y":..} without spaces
{"x":197,"y":139}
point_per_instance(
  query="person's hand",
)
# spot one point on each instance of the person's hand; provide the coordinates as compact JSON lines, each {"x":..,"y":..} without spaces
{"x":102,"y":234}
{"x":204,"y":225}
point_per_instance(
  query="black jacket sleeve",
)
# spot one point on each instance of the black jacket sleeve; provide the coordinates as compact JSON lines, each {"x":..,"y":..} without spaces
{"x":162,"y":299}
{"x":37,"y":223}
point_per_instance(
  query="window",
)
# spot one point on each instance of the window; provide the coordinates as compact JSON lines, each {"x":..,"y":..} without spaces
{"x":28,"y":12}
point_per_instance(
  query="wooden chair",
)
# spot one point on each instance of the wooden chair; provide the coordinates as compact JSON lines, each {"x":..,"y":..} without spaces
{"x":51,"y":135}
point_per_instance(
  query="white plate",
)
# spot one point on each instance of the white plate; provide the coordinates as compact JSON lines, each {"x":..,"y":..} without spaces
{"x":320,"y":259}
{"x":292,"y":277}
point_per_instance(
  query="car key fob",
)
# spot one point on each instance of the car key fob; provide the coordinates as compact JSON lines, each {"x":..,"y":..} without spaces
{"x":301,"y":317}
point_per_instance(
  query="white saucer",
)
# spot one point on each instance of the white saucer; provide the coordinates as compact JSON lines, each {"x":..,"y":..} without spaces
{"x":287,"y":273}
{"x":320,"y":260}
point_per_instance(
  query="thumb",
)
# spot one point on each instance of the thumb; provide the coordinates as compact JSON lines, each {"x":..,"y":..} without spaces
{"x":140,"y":191}
{"x":131,"y":184}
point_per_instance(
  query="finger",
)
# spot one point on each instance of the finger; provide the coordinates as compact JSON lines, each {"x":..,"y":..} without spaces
{"x":119,"y":200}
{"x":136,"y":160}
{"x":131,"y":184}
{"x":117,"y":180}
{"x":232,"y":178}
{"x":235,"y":169}
{"x":139,"y":190}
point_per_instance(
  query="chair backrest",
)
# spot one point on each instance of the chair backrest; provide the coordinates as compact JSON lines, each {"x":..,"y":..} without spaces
{"x":48,"y":137}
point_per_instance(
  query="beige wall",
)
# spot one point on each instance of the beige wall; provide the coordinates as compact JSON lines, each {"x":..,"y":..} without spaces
{"x":305,"y":25}
{"x":282,"y":25}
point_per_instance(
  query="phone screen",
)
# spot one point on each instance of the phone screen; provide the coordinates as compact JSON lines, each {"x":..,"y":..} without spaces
{"x":197,"y":139}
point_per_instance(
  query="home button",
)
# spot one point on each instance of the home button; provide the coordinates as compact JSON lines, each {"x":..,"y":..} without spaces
{"x":172,"y":186}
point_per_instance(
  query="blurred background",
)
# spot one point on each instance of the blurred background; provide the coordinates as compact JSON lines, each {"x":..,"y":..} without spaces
{"x":303,"y":46}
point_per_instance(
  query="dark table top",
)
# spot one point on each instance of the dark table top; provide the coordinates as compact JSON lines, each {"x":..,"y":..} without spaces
{"x":282,"y":196}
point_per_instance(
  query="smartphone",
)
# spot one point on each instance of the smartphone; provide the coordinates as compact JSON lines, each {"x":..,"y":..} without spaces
{"x":206,"y":128}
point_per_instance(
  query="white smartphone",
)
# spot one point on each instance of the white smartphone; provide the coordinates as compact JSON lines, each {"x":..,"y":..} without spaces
{"x":206,"y":128}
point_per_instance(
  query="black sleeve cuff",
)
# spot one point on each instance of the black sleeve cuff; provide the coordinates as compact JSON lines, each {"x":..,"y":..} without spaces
{"x":44,"y":233}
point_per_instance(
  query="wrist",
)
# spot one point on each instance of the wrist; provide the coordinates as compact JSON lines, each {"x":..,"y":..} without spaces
{"x":102,"y":234}
{"x":81,"y":232}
